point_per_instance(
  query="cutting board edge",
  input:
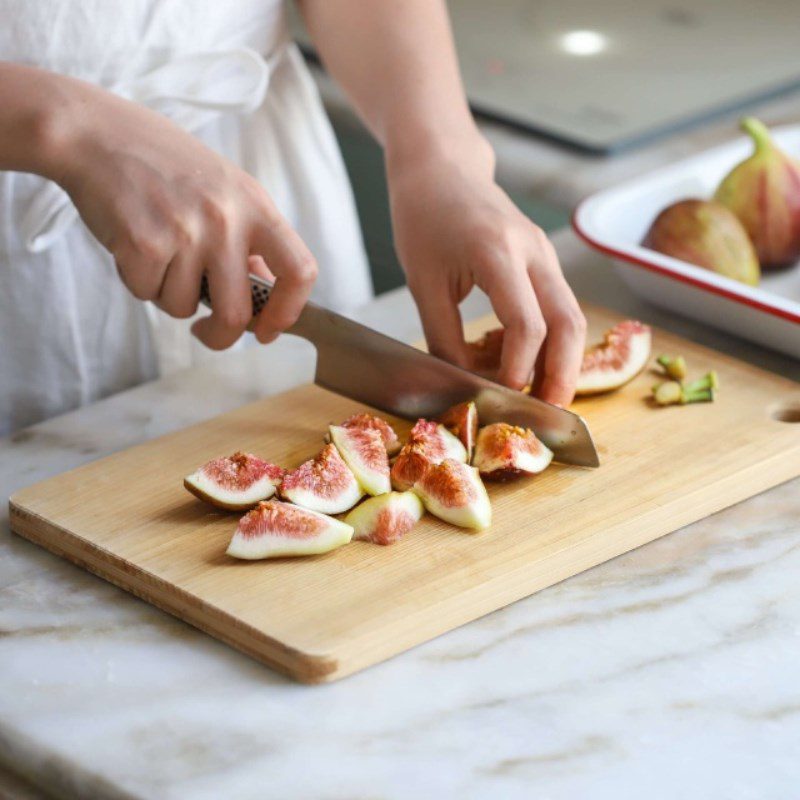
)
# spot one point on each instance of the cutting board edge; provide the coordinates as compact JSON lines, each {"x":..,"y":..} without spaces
{"x":309,"y":668}
{"x":304,"y":667}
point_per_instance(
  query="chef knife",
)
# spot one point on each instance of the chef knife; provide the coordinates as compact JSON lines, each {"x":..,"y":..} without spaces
{"x":358,"y":362}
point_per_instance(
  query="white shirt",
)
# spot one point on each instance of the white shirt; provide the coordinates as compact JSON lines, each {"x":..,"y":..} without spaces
{"x":69,"y":331}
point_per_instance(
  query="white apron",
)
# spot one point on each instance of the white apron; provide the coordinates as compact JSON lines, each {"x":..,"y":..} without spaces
{"x":226,"y":71}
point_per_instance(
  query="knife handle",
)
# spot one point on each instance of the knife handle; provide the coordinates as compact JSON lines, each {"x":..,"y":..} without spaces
{"x":259,"y":292}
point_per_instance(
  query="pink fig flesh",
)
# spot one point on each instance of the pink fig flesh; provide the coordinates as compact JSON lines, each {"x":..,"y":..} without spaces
{"x":485,"y":353}
{"x":369,"y":421}
{"x":236,"y":482}
{"x":364,"y":452}
{"x":274,"y":529}
{"x":324,"y":483}
{"x":385,"y":519}
{"x":428,"y":443}
{"x":506,"y":451}
{"x":462,"y":421}
{"x":454,"y":492}
{"x":619,"y":358}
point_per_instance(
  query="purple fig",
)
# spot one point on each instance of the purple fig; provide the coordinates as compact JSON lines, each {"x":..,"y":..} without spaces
{"x":707,"y":234}
{"x":764,"y":192}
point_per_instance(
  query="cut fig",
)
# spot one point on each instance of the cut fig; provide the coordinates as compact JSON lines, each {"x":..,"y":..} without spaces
{"x":485,"y":353}
{"x":505,"y":451}
{"x":234,"y":482}
{"x":324,"y":483}
{"x":274,"y":529}
{"x":454,"y":492}
{"x":619,"y":358}
{"x":364,"y":452}
{"x":462,"y":421}
{"x":428,"y":443}
{"x":386,"y":518}
{"x":369,"y":421}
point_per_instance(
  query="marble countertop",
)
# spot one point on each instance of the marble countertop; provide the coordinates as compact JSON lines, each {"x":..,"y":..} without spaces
{"x":668,"y":672}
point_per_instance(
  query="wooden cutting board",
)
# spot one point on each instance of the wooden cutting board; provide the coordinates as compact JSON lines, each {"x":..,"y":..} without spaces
{"x":128,"y":519}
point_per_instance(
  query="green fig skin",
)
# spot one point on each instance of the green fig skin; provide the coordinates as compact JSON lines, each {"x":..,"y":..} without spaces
{"x":707,"y":234}
{"x":764,"y":192}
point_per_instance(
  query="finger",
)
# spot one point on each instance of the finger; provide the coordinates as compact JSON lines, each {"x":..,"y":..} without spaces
{"x":515,"y":304}
{"x":232,"y":305}
{"x":257,"y":266}
{"x":180,"y":291}
{"x":442,"y":323}
{"x":142,"y":264}
{"x":558,"y":370}
{"x":295,"y":270}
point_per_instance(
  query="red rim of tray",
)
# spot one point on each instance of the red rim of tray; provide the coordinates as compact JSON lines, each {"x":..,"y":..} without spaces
{"x":700,"y":284}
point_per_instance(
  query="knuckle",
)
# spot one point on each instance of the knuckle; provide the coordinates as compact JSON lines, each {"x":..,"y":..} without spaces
{"x":573,"y":321}
{"x":306,"y":269}
{"x":236,"y":316}
{"x":217,"y":212}
{"x":181,"y":233}
{"x":533,"y":327}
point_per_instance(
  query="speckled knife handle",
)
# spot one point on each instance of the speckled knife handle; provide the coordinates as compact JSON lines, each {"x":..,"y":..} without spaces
{"x":259,"y":292}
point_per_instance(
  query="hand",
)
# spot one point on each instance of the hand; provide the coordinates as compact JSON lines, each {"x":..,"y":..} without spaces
{"x":169,"y":209}
{"x":454,"y":228}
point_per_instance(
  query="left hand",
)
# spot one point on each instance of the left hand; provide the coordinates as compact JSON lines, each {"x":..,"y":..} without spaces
{"x":455,"y":228}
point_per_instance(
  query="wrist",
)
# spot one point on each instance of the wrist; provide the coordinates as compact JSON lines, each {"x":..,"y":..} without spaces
{"x":54,"y":127}
{"x":466,"y":150}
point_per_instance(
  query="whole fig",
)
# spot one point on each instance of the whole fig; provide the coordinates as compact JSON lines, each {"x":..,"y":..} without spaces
{"x":707,"y":234}
{"x":764,"y":192}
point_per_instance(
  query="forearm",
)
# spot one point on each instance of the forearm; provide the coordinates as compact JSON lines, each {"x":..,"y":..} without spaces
{"x":35,"y":108}
{"x":396,"y":62}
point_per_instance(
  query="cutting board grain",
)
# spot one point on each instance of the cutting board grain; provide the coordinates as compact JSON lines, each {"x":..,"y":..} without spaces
{"x":128,"y":518}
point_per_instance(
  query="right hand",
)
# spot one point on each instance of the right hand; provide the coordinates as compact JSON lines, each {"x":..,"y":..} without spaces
{"x":169,"y":209}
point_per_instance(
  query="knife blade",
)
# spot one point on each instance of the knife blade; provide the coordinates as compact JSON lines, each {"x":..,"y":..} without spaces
{"x":372,"y":368}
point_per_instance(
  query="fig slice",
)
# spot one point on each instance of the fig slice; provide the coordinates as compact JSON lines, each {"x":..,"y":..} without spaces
{"x":462,"y":421}
{"x":619,"y":358}
{"x":234,"y":482}
{"x":274,"y":529}
{"x":454,"y":492}
{"x":324,"y":483}
{"x":386,"y":518}
{"x":428,"y":443}
{"x":364,"y":452}
{"x":505,"y":451}
{"x":387,"y":432}
{"x":485,"y":353}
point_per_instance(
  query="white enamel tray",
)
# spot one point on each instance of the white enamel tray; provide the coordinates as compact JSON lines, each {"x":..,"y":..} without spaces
{"x":614,"y":222}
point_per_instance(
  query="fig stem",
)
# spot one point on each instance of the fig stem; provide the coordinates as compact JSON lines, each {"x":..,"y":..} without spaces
{"x":700,"y":396}
{"x":708,"y":381}
{"x":675,"y":366}
{"x":758,"y":132}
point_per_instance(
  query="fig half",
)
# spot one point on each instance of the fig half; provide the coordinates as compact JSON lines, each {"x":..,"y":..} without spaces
{"x":274,"y":529}
{"x":324,"y":483}
{"x":234,"y":482}
{"x":505,"y":451}
{"x":428,"y":443}
{"x":386,"y":518}
{"x":462,"y":421}
{"x":454,"y":492}
{"x":619,"y":358}
{"x":370,"y":421}
{"x":364,"y":452}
